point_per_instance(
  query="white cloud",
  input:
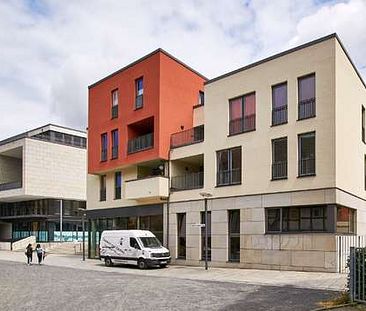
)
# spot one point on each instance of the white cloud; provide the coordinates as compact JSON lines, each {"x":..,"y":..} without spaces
{"x":52,"y":50}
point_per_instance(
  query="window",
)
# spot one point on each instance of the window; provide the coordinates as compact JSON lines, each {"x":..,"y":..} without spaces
{"x":279,"y":104}
{"x":134,"y":244}
{"x":117,"y":185}
{"x":307,"y":154}
{"x":297,"y":219}
{"x":364,"y":171}
{"x":104,"y":147}
{"x":114,"y":144}
{"x":103,"y":190}
{"x":279,"y":158}
{"x":306,"y":97}
{"x":234,"y":235}
{"x":242,"y":114}
{"x":346,"y":219}
{"x":203,"y":230}
{"x":201,"y":98}
{"x":139,"y":93}
{"x":114,"y":104}
{"x":181,"y":236}
{"x":363,"y":125}
{"x":229,"y":167}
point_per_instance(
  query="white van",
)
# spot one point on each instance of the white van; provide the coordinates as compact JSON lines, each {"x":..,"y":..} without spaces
{"x":133,"y":247}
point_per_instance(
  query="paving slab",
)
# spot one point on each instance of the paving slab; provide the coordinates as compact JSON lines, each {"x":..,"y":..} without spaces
{"x":311,"y":280}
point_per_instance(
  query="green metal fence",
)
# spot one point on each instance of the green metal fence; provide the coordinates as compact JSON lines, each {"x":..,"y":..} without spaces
{"x":357,"y":274}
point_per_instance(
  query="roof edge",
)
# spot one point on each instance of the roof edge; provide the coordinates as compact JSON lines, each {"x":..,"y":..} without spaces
{"x":159,"y":50}
{"x":267,"y":59}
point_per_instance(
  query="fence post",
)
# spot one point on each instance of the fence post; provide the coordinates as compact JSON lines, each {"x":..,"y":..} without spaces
{"x":351,"y":273}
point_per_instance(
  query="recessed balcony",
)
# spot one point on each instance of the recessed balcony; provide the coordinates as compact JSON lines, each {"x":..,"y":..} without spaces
{"x":188,"y":137}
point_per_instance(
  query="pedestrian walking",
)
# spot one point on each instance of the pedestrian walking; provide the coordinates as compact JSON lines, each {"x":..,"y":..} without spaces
{"x":29,"y":254}
{"x":40,"y":253}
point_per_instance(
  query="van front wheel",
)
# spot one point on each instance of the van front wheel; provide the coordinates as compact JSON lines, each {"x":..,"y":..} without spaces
{"x":108,"y":262}
{"x":141,"y":264}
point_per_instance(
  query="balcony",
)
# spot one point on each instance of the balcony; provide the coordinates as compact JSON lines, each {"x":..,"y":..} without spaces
{"x":147,"y":188}
{"x":306,"y":108}
{"x":279,"y":115}
{"x":140,"y":143}
{"x":242,"y":125}
{"x":229,"y":177}
{"x":279,"y":170}
{"x":10,"y":185}
{"x":187,"y":181}
{"x":187,"y":137}
{"x":307,"y":167}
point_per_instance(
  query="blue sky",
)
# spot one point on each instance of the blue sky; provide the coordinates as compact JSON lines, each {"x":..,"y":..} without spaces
{"x":53,"y":49}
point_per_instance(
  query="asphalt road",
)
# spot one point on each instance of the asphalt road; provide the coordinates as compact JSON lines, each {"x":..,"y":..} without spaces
{"x":43,"y":288}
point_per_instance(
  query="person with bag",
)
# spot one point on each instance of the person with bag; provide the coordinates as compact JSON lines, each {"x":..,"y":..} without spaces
{"x":29,"y":254}
{"x":40,"y":253}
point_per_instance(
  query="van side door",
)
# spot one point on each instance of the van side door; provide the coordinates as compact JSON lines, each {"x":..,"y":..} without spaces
{"x":134,"y":248}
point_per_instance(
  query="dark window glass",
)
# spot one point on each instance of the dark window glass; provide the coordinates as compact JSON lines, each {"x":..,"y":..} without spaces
{"x":279,"y":104}
{"x":134,"y":244}
{"x":203,"y":230}
{"x":273,"y":219}
{"x":229,"y":166}
{"x":103,"y":189}
{"x":279,"y":158}
{"x":306,"y":107}
{"x":181,"y":236}
{"x":104,"y":147}
{"x":114,"y":144}
{"x":201,"y":98}
{"x":346,"y":219}
{"x":242,"y":114}
{"x":115,"y":104}
{"x":234,"y":235}
{"x":307,"y":154}
{"x":117,"y":185}
{"x":139,"y":93}
{"x":304,"y":218}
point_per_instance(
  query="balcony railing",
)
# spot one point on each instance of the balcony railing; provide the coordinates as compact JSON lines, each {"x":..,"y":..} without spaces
{"x":242,"y":125}
{"x":140,"y":143}
{"x":102,"y":195}
{"x":307,"y":108}
{"x":307,"y":167}
{"x":279,"y":115}
{"x":103,"y":155}
{"x":279,"y":170}
{"x":115,"y":152}
{"x":230,"y":177}
{"x":187,"y":137}
{"x":187,"y":181}
{"x":11,"y":185}
{"x":114,"y":111}
{"x":139,"y":101}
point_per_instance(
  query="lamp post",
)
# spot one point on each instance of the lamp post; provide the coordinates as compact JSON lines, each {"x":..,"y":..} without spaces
{"x":206,"y":195}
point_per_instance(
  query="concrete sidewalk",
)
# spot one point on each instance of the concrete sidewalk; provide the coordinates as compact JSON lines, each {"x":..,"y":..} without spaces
{"x":313,"y":280}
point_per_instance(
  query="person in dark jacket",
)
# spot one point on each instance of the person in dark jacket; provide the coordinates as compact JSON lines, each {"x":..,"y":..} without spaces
{"x":29,"y":254}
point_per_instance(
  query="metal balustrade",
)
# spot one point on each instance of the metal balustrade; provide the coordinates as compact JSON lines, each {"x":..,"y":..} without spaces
{"x":140,"y":143}
{"x":188,"y":137}
{"x":10,"y":185}
{"x":242,"y":125}
{"x":306,"y":108}
{"x":279,"y":115}
{"x":279,"y":170}
{"x":229,"y":177}
{"x":187,"y":181}
{"x":307,"y":167}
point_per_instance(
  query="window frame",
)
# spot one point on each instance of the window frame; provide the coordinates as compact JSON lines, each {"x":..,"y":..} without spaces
{"x":117,"y":193}
{"x":299,"y":158}
{"x":139,"y":97}
{"x":273,"y":87}
{"x":114,"y":107}
{"x":103,"y":151}
{"x":273,"y":157}
{"x":299,"y":117}
{"x":181,"y":217}
{"x":243,"y":116}
{"x":233,"y":235}
{"x":103,"y":188}
{"x":230,"y":166}
{"x":209,"y":251}
{"x":115,"y":144}
{"x":363,"y":120}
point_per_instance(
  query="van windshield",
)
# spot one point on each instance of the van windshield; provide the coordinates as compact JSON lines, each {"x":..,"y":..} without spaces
{"x":150,"y":242}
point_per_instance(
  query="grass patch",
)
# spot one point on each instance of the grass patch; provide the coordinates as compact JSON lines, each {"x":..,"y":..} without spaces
{"x":342,"y":299}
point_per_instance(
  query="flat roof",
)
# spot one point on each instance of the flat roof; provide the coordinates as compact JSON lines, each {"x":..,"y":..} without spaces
{"x":31,"y":133}
{"x":284,"y":53}
{"x":142,"y":59}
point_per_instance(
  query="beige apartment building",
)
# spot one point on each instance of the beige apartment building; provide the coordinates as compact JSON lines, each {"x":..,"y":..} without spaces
{"x":283,"y":160}
{"x":277,"y":148}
